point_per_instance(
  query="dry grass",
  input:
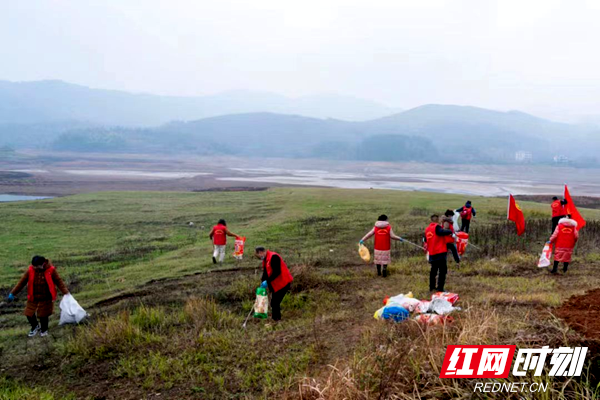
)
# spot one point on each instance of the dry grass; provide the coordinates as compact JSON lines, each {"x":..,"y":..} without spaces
{"x":403,"y":361}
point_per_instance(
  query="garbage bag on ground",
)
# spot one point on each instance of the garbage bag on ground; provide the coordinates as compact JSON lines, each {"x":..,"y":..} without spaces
{"x":395,"y":313}
{"x":404,"y":301}
{"x":462,"y":241}
{"x":70,"y":311}
{"x":261,"y":304}
{"x":363,"y":251}
{"x":434,"y":312}
{"x":238,"y":252}
{"x":441,"y":306}
{"x":451,"y":297}
{"x":433,"y":319}
{"x":423,"y":307}
{"x":546,"y":255}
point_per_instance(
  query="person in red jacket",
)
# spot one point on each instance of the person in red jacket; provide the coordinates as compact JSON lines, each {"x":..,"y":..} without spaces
{"x":467,"y":212}
{"x":218,"y":235}
{"x":564,"y":238}
{"x":276,"y":276}
{"x":41,"y":280}
{"x":435,"y":237}
{"x":559,"y":211}
{"x":384,"y":234}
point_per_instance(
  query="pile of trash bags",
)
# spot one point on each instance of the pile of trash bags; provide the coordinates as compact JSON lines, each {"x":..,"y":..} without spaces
{"x":429,"y":312}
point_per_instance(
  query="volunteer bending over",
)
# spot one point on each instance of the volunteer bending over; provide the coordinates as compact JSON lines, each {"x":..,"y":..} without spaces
{"x":276,"y":276}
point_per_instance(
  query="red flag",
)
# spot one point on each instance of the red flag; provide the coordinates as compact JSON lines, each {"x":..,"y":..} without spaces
{"x":516,"y":215}
{"x":572,"y":210}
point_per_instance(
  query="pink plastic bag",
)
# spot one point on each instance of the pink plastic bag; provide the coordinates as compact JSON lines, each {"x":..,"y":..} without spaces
{"x":451,"y":297}
{"x":433,"y":319}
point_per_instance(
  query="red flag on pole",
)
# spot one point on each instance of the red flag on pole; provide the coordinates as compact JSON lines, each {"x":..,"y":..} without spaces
{"x":516,"y":215}
{"x":572,"y":210}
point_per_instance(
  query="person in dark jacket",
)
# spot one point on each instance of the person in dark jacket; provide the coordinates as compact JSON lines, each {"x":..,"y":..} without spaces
{"x":276,"y":276}
{"x":435,"y":238}
{"x":559,"y":211}
{"x":467,"y":212}
{"x":41,"y":280}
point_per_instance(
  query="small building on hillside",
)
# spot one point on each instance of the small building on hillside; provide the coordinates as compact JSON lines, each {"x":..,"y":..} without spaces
{"x":523,"y":157}
{"x":561,"y":159}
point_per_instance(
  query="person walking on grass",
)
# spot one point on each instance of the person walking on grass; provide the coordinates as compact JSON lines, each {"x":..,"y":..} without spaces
{"x":467,"y":212}
{"x":42,"y":280}
{"x":559,"y":211}
{"x":565,"y":238}
{"x":448,"y":223}
{"x":276,"y":277}
{"x":218,"y":235}
{"x":435,"y":238}
{"x":384,"y":234}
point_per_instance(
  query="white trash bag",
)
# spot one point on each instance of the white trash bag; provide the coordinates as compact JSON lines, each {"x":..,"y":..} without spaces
{"x":70,"y":311}
{"x":455,"y":218}
{"x":545,"y":257}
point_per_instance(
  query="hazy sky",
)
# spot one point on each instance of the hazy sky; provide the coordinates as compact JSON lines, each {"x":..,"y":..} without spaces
{"x":537,"y":56}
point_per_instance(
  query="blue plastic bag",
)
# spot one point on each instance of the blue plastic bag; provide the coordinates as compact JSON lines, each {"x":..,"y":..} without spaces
{"x":395,"y":313}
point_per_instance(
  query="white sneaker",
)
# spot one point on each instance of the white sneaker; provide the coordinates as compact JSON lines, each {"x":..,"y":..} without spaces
{"x":43,"y":334}
{"x":34,"y":331}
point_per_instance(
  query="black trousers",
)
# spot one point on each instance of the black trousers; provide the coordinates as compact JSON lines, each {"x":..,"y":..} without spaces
{"x":555,"y":267}
{"x":276,"y":299}
{"x":452,"y":248}
{"x":555,"y":222}
{"x":465,"y":225}
{"x":438,"y":265}
{"x":34,"y":323}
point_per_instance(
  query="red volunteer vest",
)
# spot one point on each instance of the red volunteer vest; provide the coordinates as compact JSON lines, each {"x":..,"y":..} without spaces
{"x":466,"y":213}
{"x":49,"y":281}
{"x":284,"y":278}
{"x":450,"y":239}
{"x":219,"y":235}
{"x":558,"y":210}
{"x":566,"y":236}
{"x":383,"y":239}
{"x":435,"y":244}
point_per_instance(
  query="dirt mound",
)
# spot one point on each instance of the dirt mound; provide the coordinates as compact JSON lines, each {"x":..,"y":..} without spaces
{"x":582,"y":313}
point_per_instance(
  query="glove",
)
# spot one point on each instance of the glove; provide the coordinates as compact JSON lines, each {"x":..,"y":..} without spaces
{"x":264,"y":285}
{"x":401,"y":240}
{"x":548,"y":242}
{"x":11,"y":297}
{"x":361,"y":242}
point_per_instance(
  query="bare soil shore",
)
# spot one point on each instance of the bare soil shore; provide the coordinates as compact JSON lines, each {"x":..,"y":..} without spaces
{"x":60,"y":174}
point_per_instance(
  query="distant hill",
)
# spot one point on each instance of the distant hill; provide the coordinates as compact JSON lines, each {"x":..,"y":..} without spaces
{"x":56,"y":101}
{"x":61,"y":116}
{"x":480,"y":133}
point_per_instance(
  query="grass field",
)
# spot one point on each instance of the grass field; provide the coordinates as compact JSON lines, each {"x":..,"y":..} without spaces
{"x":165,"y":322}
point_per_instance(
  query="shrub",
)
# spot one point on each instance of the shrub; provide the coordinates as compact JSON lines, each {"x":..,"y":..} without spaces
{"x":108,"y":337}
{"x":204,"y":314}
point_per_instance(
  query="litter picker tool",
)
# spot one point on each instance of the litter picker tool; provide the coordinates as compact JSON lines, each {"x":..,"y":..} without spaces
{"x":413,"y":244}
{"x":248,"y":317}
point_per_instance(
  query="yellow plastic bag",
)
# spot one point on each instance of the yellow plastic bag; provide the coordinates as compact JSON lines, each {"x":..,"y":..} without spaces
{"x":378,"y":313}
{"x":364,"y":253}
